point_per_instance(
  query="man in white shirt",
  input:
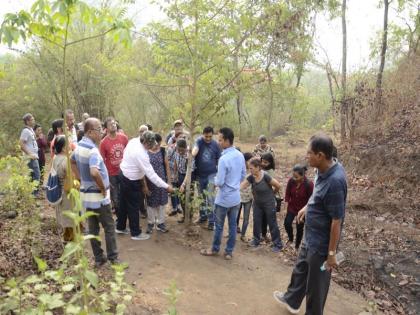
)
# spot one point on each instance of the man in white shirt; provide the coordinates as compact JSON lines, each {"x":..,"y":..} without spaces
{"x":71,"y":126}
{"x":29,"y":146}
{"x":134,"y":167}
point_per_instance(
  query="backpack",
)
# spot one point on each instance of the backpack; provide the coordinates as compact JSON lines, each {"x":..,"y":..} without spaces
{"x":53,"y":188}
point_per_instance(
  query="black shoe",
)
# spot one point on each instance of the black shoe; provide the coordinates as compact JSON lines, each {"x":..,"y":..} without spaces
{"x":174,"y":212}
{"x":150,"y":228}
{"x":182,"y":220}
{"x":162,"y":228}
{"x":100,"y":263}
{"x":179,"y":211}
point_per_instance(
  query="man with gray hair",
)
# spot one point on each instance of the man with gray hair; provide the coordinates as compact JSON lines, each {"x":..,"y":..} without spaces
{"x":134,"y":167}
{"x":142,"y":129}
{"x":29,"y":146}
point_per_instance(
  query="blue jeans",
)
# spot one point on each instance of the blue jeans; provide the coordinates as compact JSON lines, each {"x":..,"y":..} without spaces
{"x":220,"y":215}
{"x":35,"y":172}
{"x":206,"y":183}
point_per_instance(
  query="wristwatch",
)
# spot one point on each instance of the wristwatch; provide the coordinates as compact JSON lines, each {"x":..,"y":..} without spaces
{"x":331,"y":253}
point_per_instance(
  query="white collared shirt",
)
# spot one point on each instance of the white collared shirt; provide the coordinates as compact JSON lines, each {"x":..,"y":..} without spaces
{"x":136,"y":164}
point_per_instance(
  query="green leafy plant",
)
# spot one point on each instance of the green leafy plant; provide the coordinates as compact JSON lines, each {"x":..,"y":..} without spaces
{"x":16,"y":184}
{"x":172,"y":293}
{"x":73,"y":288}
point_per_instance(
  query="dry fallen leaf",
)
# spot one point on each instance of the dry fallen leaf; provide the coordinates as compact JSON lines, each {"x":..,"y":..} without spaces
{"x":403,"y":282}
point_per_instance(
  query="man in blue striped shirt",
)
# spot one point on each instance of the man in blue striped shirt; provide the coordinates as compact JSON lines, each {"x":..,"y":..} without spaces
{"x":89,"y":168}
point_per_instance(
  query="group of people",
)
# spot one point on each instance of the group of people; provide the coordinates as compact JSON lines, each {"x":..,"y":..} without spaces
{"x":133,"y":178}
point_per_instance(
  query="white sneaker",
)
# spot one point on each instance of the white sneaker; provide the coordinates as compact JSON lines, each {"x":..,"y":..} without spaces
{"x":279,"y":297}
{"x":122,"y":231}
{"x":141,"y":237}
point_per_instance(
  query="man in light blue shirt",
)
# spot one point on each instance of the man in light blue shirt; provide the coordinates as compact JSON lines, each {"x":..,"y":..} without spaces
{"x":231,"y":171}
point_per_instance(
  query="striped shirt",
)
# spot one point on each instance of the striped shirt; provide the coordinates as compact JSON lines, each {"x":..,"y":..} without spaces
{"x":87,"y":155}
{"x":181,"y":162}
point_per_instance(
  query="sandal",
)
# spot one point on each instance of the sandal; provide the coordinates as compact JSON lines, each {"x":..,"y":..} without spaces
{"x":228,"y":256}
{"x":208,"y":252}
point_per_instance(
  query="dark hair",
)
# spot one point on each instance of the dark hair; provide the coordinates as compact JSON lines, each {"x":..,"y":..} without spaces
{"x":181,"y":143}
{"x":88,"y":125}
{"x":300,"y":169}
{"x":158,"y":137}
{"x":50,"y":135}
{"x":59,"y":144}
{"x":270,"y":159}
{"x":255,"y":161}
{"x":37,"y":126}
{"x":322,"y":143}
{"x":262,"y":138}
{"x":208,"y":129}
{"x":247,"y":156}
{"x":58,"y":123}
{"x":335,"y":152}
{"x":227,"y":134}
{"x":107,"y":120}
{"x":27,"y":117}
{"x":150,"y":128}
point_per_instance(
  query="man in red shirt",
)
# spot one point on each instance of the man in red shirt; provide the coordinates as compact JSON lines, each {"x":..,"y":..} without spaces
{"x":112,"y":149}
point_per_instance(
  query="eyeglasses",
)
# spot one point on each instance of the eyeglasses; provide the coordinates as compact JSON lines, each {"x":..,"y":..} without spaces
{"x":99,"y":129}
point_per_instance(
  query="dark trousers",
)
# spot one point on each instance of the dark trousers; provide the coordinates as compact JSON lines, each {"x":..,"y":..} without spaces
{"x":114,"y":182}
{"x":270,"y":213}
{"x":104,"y":218}
{"x":288,"y":225}
{"x":181,"y":178}
{"x":131,"y":201}
{"x":264,"y":225}
{"x":247,"y":210}
{"x":174,"y":198}
{"x":308,"y":280}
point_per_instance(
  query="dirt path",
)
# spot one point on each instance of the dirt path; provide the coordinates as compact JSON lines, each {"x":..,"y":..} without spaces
{"x":211,"y":285}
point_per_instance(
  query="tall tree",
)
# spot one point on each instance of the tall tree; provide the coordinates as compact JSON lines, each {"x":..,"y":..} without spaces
{"x":193,"y":59}
{"x":343,"y":106}
{"x":384,"y":44}
{"x":51,"y":21}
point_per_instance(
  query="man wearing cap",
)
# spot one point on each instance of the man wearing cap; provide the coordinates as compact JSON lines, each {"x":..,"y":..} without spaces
{"x":178,"y":131}
{"x":134,"y":167}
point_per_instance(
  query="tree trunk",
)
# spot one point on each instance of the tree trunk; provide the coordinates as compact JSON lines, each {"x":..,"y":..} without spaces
{"x":239,"y":97}
{"x":271,"y":102}
{"x":343,"y":74}
{"x":239,"y":100}
{"x":378,"y":93}
{"x":330,"y":86}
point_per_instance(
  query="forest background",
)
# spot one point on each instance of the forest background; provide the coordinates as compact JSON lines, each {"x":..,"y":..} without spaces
{"x":258,"y":67}
{"x":255,"y":66}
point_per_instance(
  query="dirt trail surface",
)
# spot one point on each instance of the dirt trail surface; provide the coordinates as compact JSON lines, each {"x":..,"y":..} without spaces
{"x":212,"y":285}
